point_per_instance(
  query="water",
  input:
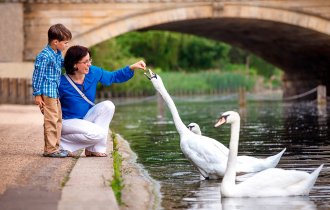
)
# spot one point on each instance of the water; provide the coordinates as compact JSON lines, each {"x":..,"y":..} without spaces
{"x":266,"y":128}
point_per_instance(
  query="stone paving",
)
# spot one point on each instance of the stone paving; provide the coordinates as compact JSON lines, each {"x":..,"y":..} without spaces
{"x":30,"y":181}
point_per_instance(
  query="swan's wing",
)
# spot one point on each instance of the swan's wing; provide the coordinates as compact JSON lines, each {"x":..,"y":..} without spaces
{"x":249,"y":159}
{"x":208,"y":149}
{"x":215,"y":143}
{"x":249,"y":164}
{"x":252,"y":164}
{"x":273,"y":179}
{"x":205,"y":153}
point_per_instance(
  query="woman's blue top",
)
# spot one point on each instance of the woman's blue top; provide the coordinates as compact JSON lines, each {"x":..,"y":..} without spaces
{"x":73,"y":105}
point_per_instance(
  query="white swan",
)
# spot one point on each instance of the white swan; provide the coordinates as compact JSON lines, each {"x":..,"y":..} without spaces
{"x":268,"y":183}
{"x":247,"y":163}
{"x":194,"y":127}
{"x":206,"y":154}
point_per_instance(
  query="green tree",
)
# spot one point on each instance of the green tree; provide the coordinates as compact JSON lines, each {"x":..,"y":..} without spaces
{"x":173,"y":52}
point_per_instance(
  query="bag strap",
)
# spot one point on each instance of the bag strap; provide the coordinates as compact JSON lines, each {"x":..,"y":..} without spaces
{"x":78,"y":90}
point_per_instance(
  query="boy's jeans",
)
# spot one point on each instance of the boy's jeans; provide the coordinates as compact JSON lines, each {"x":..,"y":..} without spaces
{"x":52,"y":124}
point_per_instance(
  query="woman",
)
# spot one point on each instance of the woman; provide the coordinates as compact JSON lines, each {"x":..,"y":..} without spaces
{"x":84,"y":125}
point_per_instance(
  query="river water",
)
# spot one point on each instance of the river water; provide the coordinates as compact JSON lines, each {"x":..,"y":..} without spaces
{"x":266,"y":128}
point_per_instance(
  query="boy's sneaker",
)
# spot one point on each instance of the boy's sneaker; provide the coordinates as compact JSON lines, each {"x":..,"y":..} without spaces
{"x":57,"y":154}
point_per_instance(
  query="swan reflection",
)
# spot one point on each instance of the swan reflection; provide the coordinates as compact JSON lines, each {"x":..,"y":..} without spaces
{"x":271,"y":203}
{"x":207,"y":197}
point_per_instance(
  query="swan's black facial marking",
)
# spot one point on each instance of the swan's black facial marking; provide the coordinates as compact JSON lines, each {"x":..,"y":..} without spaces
{"x":190,"y":127}
{"x":225,"y":116}
{"x":154,"y":76}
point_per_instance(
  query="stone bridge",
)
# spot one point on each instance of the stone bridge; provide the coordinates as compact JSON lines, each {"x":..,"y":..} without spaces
{"x":293,"y":35}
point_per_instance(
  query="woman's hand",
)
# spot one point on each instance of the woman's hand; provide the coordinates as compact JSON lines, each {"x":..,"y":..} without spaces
{"x":138,"y":65}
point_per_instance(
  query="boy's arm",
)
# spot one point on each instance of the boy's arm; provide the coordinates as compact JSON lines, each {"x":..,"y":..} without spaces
{"x":38,"y":75}
{"x":37,"y":80}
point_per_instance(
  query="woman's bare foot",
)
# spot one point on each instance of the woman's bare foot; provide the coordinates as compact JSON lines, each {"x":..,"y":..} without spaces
{"x":95,"y":154}
{"x":99,"y":154}
{"x":72,"y":154}
{"x":88,"y":153}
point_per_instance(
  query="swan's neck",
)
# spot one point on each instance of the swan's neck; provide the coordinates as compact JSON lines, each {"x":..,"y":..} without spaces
{"x":230,"y":174}
{"x":180,"y":127}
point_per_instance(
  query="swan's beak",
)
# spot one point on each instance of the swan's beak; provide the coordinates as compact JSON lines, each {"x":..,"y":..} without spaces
{"x":190,"y":127}
{"x":145,"y":74}
{"x":221,"y":121}
{"x":152,"y":74}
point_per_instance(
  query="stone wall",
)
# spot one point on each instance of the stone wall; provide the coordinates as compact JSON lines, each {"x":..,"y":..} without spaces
{"x":16,"y":70}
{"x":12,"y":35}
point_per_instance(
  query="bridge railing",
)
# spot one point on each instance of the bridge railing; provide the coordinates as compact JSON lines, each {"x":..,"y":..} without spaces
{"x":320,"y":91}
{"x":19,"y":91}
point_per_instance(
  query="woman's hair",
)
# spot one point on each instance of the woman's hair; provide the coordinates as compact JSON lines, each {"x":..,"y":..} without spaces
{"x":73,"y":56}
{"x":59,"y":32}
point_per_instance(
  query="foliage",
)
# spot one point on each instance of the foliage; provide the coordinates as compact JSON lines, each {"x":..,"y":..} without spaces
{"x":200,"y":53}
{"x":175,"y":52}
{"x":110,"y":55}
{"x":178,"y":83}
{"x":204,"y":82}
{"x":261,"y":67}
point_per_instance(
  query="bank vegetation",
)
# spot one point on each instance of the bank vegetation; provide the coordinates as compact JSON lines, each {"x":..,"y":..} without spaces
{"x":187,"y":64}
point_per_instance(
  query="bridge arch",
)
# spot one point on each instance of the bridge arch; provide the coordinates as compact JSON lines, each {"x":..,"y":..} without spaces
{"x":139,"y":21}
{"x":297,"y":42}
{"x":146,"y":20}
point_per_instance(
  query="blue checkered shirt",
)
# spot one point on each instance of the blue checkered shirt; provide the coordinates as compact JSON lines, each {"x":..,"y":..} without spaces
{"x":47,"y":72}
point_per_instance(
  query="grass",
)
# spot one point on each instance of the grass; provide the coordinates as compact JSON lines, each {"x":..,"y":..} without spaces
{"x":117,"y":182}
{"x":178,"y":83}
{"x":64,"y":181}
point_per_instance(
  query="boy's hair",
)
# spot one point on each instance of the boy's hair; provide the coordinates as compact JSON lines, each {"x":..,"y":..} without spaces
{"x":59,"y":32}
{"x":73,"y":55}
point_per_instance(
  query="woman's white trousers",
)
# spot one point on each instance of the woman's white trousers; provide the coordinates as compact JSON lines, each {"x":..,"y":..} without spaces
{"x":91,"y":132}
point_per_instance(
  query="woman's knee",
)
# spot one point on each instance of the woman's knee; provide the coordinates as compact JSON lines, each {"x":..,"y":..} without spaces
{"x":109,"y":106}
{"x":97,"y":136}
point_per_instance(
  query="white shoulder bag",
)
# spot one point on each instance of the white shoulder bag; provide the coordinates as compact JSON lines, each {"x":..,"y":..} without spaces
{"x":78,"y":90}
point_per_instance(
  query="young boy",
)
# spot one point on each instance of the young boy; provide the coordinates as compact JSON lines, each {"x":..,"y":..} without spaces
{"x":45,"y":83}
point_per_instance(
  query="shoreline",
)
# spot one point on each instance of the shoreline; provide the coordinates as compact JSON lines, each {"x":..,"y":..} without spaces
{"x":136,"y":179}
